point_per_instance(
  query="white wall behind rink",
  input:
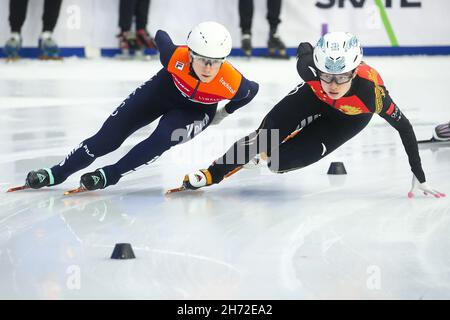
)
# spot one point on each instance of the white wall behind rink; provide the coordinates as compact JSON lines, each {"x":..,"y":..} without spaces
{"x":94,"y":23}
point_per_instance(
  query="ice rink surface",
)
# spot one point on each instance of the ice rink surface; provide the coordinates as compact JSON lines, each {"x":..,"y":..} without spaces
{"x":257,"y":235}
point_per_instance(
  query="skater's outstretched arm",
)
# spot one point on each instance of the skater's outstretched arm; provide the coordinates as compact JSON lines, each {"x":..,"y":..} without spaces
{"x":388,"y":110}
{"x":305,"y":64}
{"x":246,"y":92}
{"x":165,"y":46}
{"x":384,"y":106}
{"x":398,"y":120}
{"x":394,"y":116}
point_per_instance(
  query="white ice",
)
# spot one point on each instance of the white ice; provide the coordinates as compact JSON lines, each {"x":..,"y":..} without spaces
{"x":257,"y":235}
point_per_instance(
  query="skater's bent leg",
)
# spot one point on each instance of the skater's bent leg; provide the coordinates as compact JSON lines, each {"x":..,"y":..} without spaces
{"x":279,"y":123}
{"x":175,"y":127}
{"x":106,"y":140}
{"x":243,"y":150}
{"x":138,"y":110}
{"x":315,"y":142}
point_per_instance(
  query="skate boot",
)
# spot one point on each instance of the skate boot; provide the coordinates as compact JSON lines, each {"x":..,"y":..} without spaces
{"x":143,"y":39}
{"x":127,"y":44}
{"x":246,"y":44}
{"x":198,"y":179}
{"x":49,"y":48}
{"x":93,"y":180}
{"x":40,"y":178}
{"x":276,"y":46}
{"x":12,"y":46}
{"x":442,"y":132}
{"x":193,"y":181}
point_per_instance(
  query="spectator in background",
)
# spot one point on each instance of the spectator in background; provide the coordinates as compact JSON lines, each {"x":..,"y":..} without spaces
{"x":273,"y":16}
{"x":17,"y":13}
{"x":141,"y":39}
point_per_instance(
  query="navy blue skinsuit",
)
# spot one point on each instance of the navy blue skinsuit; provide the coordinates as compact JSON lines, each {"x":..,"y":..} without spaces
{"x":155,"y":98}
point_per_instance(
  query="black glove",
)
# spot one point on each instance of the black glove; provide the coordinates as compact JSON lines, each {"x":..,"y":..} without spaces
{"x":304,"y":48}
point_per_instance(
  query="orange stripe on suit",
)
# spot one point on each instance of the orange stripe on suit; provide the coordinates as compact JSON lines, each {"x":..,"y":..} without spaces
{"x":223,"y":87}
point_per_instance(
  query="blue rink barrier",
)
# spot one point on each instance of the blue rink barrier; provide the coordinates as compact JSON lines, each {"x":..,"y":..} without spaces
{"x":257,"y":52}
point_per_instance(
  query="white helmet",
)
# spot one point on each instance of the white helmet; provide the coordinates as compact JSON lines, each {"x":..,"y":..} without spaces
{"x":337,"y":52}
{"x":210,"y":39}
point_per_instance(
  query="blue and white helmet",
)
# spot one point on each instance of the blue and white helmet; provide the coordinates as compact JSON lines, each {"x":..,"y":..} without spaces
{"x":337,"y":52}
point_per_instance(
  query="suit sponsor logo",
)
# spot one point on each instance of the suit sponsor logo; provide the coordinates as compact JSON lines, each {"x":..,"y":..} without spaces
{"x":179,"y":65}
{"x":227,"y":85}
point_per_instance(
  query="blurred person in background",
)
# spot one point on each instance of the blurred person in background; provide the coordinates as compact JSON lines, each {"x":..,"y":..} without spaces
{"x":47,"y":45}
{"x":140,"y":39}
{"x":274,"y":43}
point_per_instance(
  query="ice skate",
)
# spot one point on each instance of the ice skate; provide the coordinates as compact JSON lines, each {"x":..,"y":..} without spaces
{"x":12,"y":47}
{"x":90,"y":181}
{"x":276,"y":46}
{"x":93,"y":180}
{"x":127,"y":44}
{"x":193,"y":181}
{"x":48,"y":47}
{"x":40,"y":178}
{"x":36,"y":180}
{"x":144,"y":40}
{"x":246,"y":44}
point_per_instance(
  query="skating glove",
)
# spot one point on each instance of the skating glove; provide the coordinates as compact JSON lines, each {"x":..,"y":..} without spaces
{"x":220,"y":115}
{"x":425,"y":188}
{"x":304,"y":48}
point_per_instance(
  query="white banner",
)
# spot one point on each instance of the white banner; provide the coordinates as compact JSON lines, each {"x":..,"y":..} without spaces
{"x":94,"y":23}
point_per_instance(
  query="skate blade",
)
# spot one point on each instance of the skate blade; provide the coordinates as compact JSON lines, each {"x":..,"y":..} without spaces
{"x":12,"y":59}
{"x":292,"y":135}
{"x":229,"y":174}
{"x":24,"y":187}
{"x":77,"y":190}
{"x":179,"y":189}
{"x":278,"y":54}
{"x":48,"y":58}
